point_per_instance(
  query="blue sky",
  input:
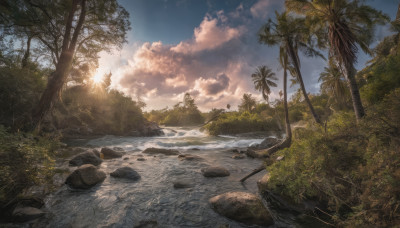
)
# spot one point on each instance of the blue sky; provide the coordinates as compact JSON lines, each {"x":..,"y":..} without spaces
{"x":208,"y":48}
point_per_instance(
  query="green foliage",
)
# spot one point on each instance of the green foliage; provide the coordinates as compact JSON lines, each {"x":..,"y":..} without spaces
{"x":234,"y":123}
{"x":248,"y":103}
{"x":353,"y":168}
{"x":20,"y":91}
{"x":382,"y":77}
{"x":101,"y":111}
{"x":25,"y":160}
{"x":183,"y":113}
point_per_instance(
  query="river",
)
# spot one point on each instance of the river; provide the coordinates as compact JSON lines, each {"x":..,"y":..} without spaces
{"x":153,"y":199}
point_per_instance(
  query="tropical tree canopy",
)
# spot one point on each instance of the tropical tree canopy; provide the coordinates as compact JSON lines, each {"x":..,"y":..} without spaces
{"x":263,"y":80}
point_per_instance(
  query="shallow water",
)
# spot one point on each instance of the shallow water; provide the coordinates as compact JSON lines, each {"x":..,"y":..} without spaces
{"x":119,"y":203}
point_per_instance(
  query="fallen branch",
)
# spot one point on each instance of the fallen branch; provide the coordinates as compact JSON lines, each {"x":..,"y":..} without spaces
{"x":284,"y":144}
{"x":259,"y":169}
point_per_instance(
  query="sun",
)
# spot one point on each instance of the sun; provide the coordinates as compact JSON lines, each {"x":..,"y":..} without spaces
{"x":97,"y":78}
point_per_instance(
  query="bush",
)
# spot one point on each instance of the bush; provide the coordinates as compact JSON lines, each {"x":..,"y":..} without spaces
{"x":235,"y":123}
{"x":353,"y":169}
{"x":25,"y":160}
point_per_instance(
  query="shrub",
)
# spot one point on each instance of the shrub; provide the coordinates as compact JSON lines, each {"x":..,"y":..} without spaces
{"x":25,"y":160}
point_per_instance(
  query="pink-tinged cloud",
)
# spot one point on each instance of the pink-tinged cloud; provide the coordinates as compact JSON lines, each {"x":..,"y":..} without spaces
{"x":209,"y":35}
{"x":214,"y":66}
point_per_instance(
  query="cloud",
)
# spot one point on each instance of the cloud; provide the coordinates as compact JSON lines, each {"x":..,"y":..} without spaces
{"x":212,"y":86}
{"x":209,"y":35}
{"x":214,"y":66}
{"x":260,"y":9}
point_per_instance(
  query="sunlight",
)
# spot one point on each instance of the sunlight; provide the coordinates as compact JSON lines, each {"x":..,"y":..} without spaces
{"x":97,"y":78}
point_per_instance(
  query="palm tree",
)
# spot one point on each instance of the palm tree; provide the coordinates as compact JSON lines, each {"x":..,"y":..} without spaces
{"x":291,"y":34}
{"x":347,"y":25}
{"x":263,"y":80}
{"x":332,"y":83}
{"x":248,"y":103}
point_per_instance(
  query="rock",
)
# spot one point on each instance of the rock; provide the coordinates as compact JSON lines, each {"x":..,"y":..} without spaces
{"x":126,"y":173}
{"x":116,"y":148}
{"x":126,"y":158}
{"x":182,"y":184}
{"x":280,"y":158}
{"x":238,"y":156}
{"x":96,"y":152}
{"x":242,"y":207}
{"x":263,"y":183}
{"x":190,"y":157}
{"x":85,"y":158}
{"x":141,"y":159}
{"x":268,"y":142}
{"x":110,"y":153}
{"x":256,"y":154}
{"x":195,"y":149}
{"x":147,"y":224}
{"x":215,"y":171}
{"x":24,"y":214}
{"x":251,"y":153}
{"x":84,"y":177}
{"x":153,"y":150}
{"x":151,"y":129}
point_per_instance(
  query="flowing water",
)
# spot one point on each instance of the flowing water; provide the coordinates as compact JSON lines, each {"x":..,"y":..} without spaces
{"x":153,"y":199}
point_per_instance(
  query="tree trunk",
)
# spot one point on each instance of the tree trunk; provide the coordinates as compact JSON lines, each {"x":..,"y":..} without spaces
{"x":288,"y":129}
{"x":25,"y":59}
{"x":299,"y":76}
{"x":64,"y":64}
{"x":288,"y":139}
{"x":355,"y":93}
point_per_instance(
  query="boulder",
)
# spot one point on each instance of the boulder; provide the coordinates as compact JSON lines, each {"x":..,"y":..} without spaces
{"x":151,"y":129}
{"x":215,"y":171}
{"x":190,"y":157}
{"x":85,"y":158}
{"x":256,"y":153}
{"x":141,"y":159}
{"x":182,"y":184}
{"x":110,"y":153}
{"x":153,"y":150}
{"x":263,"y":183}
{"x":84,"y":177}
{"x":238,"y":156}
{"x":24,"y":214}
{"x":126,"y":173}
{"x":242,"y":207}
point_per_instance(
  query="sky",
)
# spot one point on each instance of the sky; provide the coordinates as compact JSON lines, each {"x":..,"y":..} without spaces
{"x":208,"y":48}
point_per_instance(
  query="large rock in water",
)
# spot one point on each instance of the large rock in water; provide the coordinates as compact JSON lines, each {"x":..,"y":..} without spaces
{"x":242,"y":207}
{"x":110,"y":153}
{"x":150,"y":129}
{"x":215,"y":171}
{"x":126,"y":173}
{"x":85,"y":158}
{"x":153,"y":150}
{"x":84,"y":177}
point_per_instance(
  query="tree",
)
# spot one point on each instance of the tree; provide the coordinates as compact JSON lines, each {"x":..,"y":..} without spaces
{"x":263,"y":80}
{"x":332,"y":83}
{"x":291,"y":34}
{"x":248,"y":103}
{"x":72,"y":32}
{"x":347,"y":25}
{"x":228,"y":106}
